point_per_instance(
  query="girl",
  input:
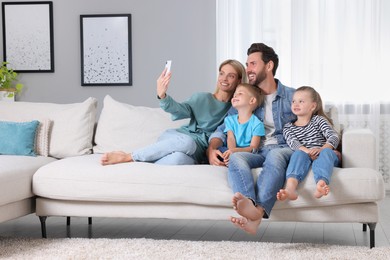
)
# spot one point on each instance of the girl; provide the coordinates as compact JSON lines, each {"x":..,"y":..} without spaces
{"x":314,"y":142}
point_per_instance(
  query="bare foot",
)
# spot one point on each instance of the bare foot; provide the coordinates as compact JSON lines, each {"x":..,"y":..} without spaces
{"x":284,"y":194}
{"x":246,"y":208}
{"x":322,"y":189}
{"x":249,"y":226}
{"x":115,"y":157}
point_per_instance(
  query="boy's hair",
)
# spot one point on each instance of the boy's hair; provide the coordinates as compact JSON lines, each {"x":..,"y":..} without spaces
{"x":268,"y":54}
{"x":255,"y":91}
{"x":315,"y":96}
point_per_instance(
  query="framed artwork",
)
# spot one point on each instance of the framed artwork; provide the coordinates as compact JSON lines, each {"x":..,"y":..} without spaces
{"x":106,"y":50}
{"x":28,"y":36}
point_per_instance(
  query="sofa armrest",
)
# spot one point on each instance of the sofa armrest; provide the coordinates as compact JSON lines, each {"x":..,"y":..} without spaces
{"x":358,"y":148}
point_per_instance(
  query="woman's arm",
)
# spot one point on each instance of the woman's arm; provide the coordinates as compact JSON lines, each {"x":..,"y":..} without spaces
{"x":162,"y":84}
{"x":167,"y":103}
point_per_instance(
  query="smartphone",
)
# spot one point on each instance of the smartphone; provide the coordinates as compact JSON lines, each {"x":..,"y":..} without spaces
{"x":168,"y":66}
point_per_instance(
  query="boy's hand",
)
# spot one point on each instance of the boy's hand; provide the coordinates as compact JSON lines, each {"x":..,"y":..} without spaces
{"x":226,"y":156}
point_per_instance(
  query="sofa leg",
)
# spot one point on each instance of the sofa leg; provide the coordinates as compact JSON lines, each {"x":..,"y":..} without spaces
{"x":372,"y":234}
{"x":42,"y":219}
{"x":364,"y":227}
{"x":89,"y":220}
{"x":68,"y":221}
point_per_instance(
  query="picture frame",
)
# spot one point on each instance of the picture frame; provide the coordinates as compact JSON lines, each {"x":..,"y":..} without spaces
{"x":106,"y":55}
{"x":28,"y":44}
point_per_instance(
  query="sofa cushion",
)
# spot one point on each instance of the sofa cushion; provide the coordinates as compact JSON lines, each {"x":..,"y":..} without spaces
{"x":83,"y":178}
{"x":42,"y":137}
{"x":18,"y":138}
{"x":72,"y":124}
{"x":126,"y":127}
{"x":16,"y":176}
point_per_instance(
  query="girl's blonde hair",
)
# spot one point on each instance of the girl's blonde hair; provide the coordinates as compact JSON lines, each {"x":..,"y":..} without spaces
{"x":315,"y":96}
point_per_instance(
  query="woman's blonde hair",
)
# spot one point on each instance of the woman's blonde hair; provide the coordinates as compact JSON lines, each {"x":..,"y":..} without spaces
{"x":238,"y":67}
{"x":315,"y":96}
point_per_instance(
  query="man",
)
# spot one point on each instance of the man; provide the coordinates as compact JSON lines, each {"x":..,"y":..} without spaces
{"x":254,"y":200}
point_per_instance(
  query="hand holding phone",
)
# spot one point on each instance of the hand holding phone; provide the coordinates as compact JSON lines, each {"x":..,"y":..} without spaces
{"x":168,"y":66}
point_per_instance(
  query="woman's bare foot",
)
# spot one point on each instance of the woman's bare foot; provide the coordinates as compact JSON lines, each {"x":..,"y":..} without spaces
{"x":249,"y":226}
{"x":284,"y":194}
{"x":246,"y":208}
{"x":115,"y":157}
{"x":322,"y":189}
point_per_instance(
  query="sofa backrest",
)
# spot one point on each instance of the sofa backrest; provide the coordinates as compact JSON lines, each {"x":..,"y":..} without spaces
{"x":67,"y":129}
{"x":126,"y":127}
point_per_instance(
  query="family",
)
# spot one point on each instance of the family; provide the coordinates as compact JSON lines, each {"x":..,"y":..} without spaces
{"x":251,"y":120}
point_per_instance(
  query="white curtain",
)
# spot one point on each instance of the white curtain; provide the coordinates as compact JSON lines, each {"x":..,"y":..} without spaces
{"x":339,"y":47}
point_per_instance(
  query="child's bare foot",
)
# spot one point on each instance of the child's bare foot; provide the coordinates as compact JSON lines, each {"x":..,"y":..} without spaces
{"x":249,"y":226}
{"x":246,"y":208}
{"x":284,"y":194}
{"x":322,"y":189}
{"x":115,"y":157}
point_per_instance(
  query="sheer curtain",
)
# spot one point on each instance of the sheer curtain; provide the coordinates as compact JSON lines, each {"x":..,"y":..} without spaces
{"x":339,"y":47}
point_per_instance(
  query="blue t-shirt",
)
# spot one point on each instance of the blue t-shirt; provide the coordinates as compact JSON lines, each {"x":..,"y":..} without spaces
{"x":243,"y":133}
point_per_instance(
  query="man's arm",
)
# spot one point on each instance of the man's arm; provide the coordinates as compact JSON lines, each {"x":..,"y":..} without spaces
{"x":213,"y":152}
{"x":216,"y":140}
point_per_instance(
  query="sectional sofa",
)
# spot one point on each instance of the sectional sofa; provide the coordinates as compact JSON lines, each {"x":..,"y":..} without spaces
{"x":65,"y":177}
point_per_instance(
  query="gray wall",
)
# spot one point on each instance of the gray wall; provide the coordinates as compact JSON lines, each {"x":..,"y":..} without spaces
{"x":181,"y":30}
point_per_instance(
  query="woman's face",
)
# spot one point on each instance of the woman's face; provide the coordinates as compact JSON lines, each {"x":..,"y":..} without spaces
{"x":228,"y":78}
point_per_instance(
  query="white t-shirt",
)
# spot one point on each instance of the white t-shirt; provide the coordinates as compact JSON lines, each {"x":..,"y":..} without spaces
{"x":269,"y":120}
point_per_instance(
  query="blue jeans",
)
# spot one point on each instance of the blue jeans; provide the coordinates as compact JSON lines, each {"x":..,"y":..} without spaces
{"x":322,"y":166}
{"x":274,"y":160}
{"x":171,"y":148}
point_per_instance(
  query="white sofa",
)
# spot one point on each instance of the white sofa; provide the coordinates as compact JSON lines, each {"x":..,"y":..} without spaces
{"x":77,"y":185}
{"x":64,"y":130}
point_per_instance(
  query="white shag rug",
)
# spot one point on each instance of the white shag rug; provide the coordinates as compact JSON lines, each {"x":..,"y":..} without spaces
{"x":101,"y":248}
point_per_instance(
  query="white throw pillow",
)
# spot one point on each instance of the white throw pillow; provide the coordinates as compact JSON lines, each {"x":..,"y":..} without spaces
{"x":72,"y":124}
{"x":42,"y":137}
{"x":126,"y":127}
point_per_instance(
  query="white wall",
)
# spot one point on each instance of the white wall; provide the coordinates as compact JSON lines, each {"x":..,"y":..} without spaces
{"x":181,"y":30}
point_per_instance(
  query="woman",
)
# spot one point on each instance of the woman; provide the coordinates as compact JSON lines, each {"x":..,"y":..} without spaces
{"x":206,"y":111}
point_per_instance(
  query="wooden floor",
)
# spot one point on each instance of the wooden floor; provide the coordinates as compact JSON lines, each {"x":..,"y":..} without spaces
{"x":283,"y":232}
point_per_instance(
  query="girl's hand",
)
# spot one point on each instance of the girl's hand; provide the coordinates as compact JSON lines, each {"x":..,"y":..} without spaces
{"x":162,"y":83}
{"x":314,"y":152}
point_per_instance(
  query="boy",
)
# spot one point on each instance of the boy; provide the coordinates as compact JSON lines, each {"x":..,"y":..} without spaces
{"x":244,"y":129}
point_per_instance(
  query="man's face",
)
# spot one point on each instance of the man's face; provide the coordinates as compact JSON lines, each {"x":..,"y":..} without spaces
{"x":255,"y":68}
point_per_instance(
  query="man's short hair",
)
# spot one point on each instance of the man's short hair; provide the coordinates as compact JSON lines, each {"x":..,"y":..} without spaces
{"x":268,"y":54}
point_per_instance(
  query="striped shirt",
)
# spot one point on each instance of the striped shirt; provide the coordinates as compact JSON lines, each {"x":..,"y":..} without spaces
{"x":315,"y":134}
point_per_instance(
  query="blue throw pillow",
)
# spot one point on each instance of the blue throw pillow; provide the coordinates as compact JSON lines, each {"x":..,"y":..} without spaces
{"x":18,"y":138}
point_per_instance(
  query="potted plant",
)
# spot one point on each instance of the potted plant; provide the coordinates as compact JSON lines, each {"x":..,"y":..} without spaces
{"x":8,"y":83}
